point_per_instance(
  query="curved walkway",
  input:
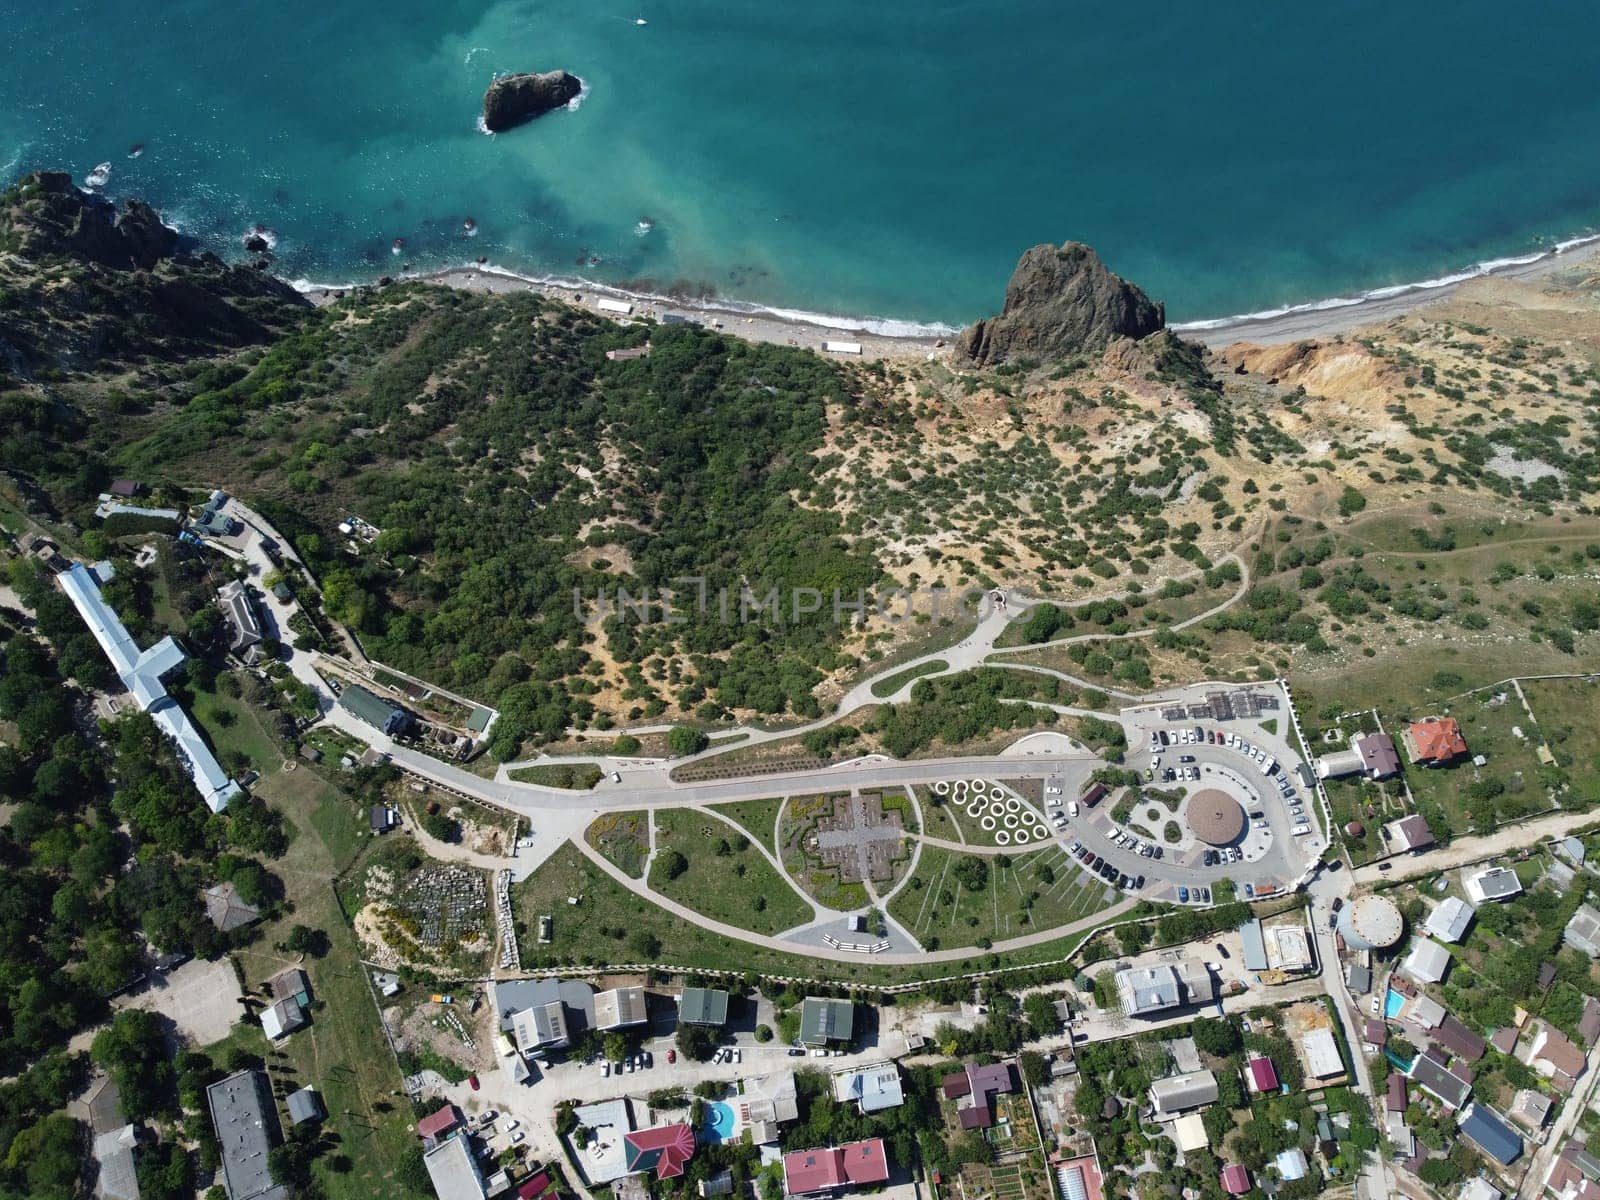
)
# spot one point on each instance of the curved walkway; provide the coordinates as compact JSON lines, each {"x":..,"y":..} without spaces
{"x":799,"y":950}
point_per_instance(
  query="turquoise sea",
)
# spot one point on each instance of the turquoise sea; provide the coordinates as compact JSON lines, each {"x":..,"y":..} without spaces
{"x":835,"y":156}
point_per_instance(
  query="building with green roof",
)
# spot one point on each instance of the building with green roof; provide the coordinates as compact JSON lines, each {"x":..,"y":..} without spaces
{"x":703,"y":1006}
{"x":825,"y":1020}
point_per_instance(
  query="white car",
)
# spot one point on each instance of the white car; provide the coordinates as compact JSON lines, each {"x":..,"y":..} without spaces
{"x":819,"y":1053}
{"x":517,"y":1137}
{"x":512,"y":1124}
{"x":605,"y":1068}
{"x":630,"y":1066}
{"x":1072,"y":808}
{"x":1052,"y":790}
{"x":1156,"y":761}
{"x":738,"y":1054}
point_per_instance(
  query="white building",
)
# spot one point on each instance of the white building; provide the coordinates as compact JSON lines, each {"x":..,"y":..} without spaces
{"x":1492,"y":884}
{"x":141,"y":672}
{"x":1449,"y":920}
{"x":1321,"y":1053}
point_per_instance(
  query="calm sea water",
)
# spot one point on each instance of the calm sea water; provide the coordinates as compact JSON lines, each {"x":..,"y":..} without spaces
{"x":834,"y":156}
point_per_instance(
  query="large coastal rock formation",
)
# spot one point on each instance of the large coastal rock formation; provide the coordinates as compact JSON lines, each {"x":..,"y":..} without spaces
{"x":82,"y":283}
{"x":513,"y":99}
{"x":1061,"y":300}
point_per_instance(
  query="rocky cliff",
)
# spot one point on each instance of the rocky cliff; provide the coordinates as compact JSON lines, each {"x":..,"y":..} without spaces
{"x":1061,"y":301}
{"x":513,"y":99}
{"x":83,"y":285}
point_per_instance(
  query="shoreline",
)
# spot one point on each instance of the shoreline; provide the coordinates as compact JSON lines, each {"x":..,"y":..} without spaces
{"x":882,"y":338}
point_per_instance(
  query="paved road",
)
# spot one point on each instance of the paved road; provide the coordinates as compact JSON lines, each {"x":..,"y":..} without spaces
{"x":1465,"y":851}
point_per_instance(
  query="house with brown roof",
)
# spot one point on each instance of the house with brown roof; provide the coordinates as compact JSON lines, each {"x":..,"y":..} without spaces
{"x":1452,"y":1035}
{"x":1409,"y":834}
{"x":974,"y":1088}
{"x":1434,"y":741}
{"x":1555,"y":1057}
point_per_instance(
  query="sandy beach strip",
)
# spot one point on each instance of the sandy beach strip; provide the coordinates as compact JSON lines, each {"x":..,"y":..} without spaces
{"x":757,"y":326}
{"x":1330,"y":318}
{"x":1310,"y":322}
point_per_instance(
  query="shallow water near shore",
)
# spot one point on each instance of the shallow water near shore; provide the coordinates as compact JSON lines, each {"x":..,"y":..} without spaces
{"x":834,"y":157}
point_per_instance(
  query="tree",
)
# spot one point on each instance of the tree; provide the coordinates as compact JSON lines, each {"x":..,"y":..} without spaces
{"x":672,"y":863}
{"x":1041,"y":1013}
{"x":133,"y":1051}
{"x":166,"y":1172}
{"x":683,"y":741}
{"x":1034,"y":1069}
{"x":697,"y":1042}
{"x":47,"y":1157}
{"x":1219,"y":1038}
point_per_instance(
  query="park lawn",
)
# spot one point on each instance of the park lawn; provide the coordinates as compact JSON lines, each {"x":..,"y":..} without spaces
{"x":937,"y":816}
{"x":758,"y":818}
{"x":941,"y":913}
{"x":1569,"y":717}
{"x":599,"y":927}
{"x":725,"y":887}
{"x":1511,"y":761}
{"x":233,"y":728}
{"x":343,"y":1053}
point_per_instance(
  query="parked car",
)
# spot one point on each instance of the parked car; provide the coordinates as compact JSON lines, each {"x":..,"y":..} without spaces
{"x":517,"y":1137}
{"x":472,"y":1081}
{"x":649,"y":1061}
{"x":1162,"y":734}
{"x":672,"y":1056}
{"x":1249,"y":890}
{"x":796,"y":1052}
{"x":1138,"y":882}
{"x":819,"y":1054}
{"x":1223,"y":950}
{"x":1183,"y":895}
{"x":1186,"y":758}
{"x":605,"y":1068}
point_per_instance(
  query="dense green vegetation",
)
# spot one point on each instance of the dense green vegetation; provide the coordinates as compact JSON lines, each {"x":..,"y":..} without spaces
{"x":80,"y":902}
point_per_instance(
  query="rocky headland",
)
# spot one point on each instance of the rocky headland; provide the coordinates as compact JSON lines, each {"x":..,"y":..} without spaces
{"x":1061,"y":301}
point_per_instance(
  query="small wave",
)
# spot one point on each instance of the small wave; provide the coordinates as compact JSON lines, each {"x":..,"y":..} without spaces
{"x":1491,"y":266}
{"x":99,"y":177}
{"x":467,"y":61}
{"x":269,"y":236}
{"x":483,"y":126}
{"x":576,"y":102}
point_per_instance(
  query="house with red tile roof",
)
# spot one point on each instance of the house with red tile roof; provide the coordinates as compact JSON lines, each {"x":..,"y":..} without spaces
{"x":438,"y":1125}
{"x":1434,"y":742}
{"x":807,"y":1172}
{"x":1261,"y":1075}
{"x":1235,"y":1179}
{"x":663,"y":1149}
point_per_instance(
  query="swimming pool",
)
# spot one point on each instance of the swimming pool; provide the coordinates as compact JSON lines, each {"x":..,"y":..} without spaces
{"x":718,"y":1123}
{"x":1393,"y":1002}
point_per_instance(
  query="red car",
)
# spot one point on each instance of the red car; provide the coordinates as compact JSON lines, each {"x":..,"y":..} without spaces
{"x":672,"y":1056}
{"x":472,"y":1082}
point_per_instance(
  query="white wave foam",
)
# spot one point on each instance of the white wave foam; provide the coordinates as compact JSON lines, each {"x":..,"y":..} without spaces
{"x":467,"y":61}
{"x":576,"y":102}
{"x":269,"y":236}
{"x":483,"y":126}
{"x":1491,"y":266}
{"x":99,"y":177}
